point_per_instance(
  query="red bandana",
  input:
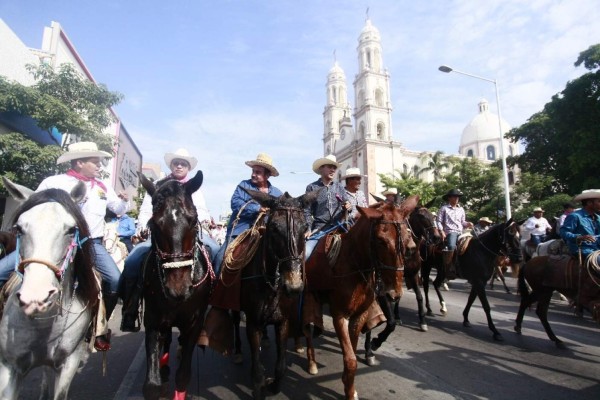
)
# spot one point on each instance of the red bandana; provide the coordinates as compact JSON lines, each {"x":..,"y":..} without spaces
{"x":82,"y":178}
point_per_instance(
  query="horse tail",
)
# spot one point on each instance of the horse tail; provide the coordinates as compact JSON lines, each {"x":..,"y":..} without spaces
{"x":523,"y":287}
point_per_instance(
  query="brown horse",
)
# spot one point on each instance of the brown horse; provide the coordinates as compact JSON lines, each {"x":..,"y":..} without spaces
{"x":8,"y":243}
{"x":582,"y":284}
{"x":177,"y":283}
{"x":371,"y":261}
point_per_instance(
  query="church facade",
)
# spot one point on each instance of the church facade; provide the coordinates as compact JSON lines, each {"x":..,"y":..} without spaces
{"x":363,"y":136}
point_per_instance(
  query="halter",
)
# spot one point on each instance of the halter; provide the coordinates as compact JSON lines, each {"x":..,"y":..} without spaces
{"x":292,"y":248}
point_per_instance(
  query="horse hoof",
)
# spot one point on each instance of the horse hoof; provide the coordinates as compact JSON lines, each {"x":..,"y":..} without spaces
{"x":498,"y":337}
{"x":355,"y":395}
{"x":398,"y":322}
{"x":429,"y":313}
{"x":371,"y":361}
{"x":466,"y":324}
{"x":560,"y":345}
{"x":238,"y":359}
{"x":300,"y":349}
{"x":375,"y":344}
{"x":517,"y":329}
{"x":312,"y":369}
{"x":424,"y":327}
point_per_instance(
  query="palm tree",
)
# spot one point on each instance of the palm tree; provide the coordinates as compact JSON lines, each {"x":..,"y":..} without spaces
{"x":436,"y":163}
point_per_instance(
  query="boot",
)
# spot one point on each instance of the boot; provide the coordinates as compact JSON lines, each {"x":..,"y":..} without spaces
{"x":131,"y":303}
{"x":102,"y":342}
{"x":449,"y":264}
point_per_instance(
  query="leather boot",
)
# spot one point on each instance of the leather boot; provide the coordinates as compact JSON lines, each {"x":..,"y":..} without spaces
{"x":449,"y":264}
{"x":102,"y":342}
{"x":131,"y":303}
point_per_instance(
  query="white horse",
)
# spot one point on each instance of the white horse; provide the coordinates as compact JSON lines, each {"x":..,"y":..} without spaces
{"x":53,"y":295}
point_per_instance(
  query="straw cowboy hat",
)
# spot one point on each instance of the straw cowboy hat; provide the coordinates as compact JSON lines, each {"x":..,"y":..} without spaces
{"x":452,"y":192}
{"x":588,"y":194}
{"x":352,"y":173}
{"x":80,"y":150}
{"x":327,"y":160}
{"x":393,"y":191}
{"x":538,"y":209}
{"x":181,"y":154}
{"x":485,"y":219}
{"x":264,"y":160}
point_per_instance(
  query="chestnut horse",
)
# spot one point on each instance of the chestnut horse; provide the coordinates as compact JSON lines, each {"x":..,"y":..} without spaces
{"x":371,"y":262}
{"x":273,"y":280}
{"x":426,"y":234}
{"x":177,"y":282}
{"x":582,"y":284}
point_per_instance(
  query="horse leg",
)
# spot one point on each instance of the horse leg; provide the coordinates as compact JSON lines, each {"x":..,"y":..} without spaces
{"x":281,"y":336}
{"x":437,"y":283}
{"x":527,"y":299}
{"x":238,"y":358}
{"x":65,"y":374}
{"x":370,"y":357}
{"x":341,"y":329}
{"x":503,"y":280}
{"x":165,"y":370}
{"x":254,"y":333}
{"x":425,"y":270}
{"x":419,"y":296}
{"x":152,"y":385}
{"x":184,"y":369}
{"x":310,"y":353}
{"x":470,"y":300}
{"x":10,"y":382}
{"x":390,"y":324}
{"x":542,"y":313}
{"x":480,"y":288}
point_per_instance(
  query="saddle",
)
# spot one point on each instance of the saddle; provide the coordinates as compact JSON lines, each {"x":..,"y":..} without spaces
{"x":563,"y":272}
{"x":317,"y":277}
{"x":463,"y":242}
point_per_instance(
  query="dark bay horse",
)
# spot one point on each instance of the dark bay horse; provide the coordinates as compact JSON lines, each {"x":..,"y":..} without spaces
{"x":425,"y":234}
{"x":273,"y":280}
{"x":371,"y":262}
{"x":582,"y":284}
{"x":177,"y":282}
{"x":53,"y":296}
{"x":8,"y":243}
{"x":478,"y":263}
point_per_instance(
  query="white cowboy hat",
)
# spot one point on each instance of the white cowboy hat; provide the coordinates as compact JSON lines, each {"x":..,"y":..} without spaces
{"x":80,"y":150}
{"x":588,"y":194}
{"x":352,"y":173}
{"x":264,"y":160}
{"x":181,"y":154}
{"x":485,"y":219}
{"x":327,"y":160}
{"x":393,"y":191}
{"x":538,"y":209}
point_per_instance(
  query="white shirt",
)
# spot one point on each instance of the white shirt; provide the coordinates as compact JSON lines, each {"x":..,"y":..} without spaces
{"x":95,"y":203}
{"x":542,"y":223}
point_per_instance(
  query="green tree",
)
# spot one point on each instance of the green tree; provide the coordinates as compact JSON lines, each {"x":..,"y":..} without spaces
{"x":62,"y":99}
{"x":435,"y":163}
{"x":562,"y":139}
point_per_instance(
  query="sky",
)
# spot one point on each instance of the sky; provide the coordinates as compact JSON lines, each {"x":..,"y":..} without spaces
{"x":229,"y":79}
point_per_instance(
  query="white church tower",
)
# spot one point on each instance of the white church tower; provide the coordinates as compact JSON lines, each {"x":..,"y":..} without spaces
{"x":336,"y":116}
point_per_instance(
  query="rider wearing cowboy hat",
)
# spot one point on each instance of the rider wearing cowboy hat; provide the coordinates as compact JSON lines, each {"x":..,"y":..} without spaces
{"x":452,"y":218}
{"x":355,"y":195}
{"x":538,"y":226}
{"x":582,"y":227}
{"x":390,"y":195}
{"x":482,"y":225}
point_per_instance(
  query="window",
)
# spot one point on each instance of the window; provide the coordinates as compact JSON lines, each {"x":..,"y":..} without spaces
{"x":361,"y":130}
{"x":470,"y":153}
{"x":379,"y":98}
{"x":491,"y":152}
{"x":380,"y":131}
{"x":405,"y":168}
{"x":416,"y":171}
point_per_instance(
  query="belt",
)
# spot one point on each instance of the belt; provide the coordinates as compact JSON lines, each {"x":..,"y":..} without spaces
{"x":98,"y":239}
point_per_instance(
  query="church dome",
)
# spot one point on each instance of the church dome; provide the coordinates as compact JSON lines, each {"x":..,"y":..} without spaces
{"x":369,"y":32}
{"x":482,"y":128}
{"x":336,"y":72}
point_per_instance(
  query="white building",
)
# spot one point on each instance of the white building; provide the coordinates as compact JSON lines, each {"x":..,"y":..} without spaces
{"x":368,"y":141}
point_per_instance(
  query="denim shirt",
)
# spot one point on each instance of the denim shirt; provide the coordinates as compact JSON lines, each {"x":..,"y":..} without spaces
{"x":328,"y":207}
{"x":579,"y":223}
{"x":248,"y":215}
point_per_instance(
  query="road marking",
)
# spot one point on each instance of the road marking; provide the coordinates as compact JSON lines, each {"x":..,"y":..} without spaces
{"x":131,"y":374}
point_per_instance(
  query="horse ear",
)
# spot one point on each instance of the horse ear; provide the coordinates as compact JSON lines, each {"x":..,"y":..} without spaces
{"x":264,"y":199}
{"x":78,"y":192}
{"x":18,"y":192}
{"x":147,"y":184}
{"x":194,"y":184}
{"x":370,"y":212}
{"x":521,"y":222}
{"x":308,"y":198}
{"x":287,"y":195}
{"x":409,"y":204}
{"x":430,"y":203}
{"x":377,"y":198}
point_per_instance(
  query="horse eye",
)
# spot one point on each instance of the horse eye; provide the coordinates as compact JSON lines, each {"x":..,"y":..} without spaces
{"x":71,"y":230}
{"x":17,"y":230}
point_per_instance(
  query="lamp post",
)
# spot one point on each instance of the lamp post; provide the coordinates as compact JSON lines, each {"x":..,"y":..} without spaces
{"x":447,"y":69}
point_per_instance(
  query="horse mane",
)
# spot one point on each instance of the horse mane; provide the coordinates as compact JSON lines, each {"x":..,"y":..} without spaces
{"x":165,"y":189}
{"x":84,"y":259}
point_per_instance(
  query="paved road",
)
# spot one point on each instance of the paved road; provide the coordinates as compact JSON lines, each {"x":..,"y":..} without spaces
{"x":446,"y":362}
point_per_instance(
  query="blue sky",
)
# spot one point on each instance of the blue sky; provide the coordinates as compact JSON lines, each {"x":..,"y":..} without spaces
{"x":230,"y":79}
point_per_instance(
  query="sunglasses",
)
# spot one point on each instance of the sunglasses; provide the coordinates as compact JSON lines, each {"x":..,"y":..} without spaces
{"x":182,"y":163}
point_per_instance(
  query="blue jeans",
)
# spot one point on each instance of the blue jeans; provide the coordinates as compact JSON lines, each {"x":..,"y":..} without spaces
{"x":105,"y":265}
{"x":537,"y":239}
{"x":451,"y":238}
{"x":310,"y":247}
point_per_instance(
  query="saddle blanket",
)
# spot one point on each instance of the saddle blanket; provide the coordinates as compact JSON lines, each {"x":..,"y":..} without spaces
{"x":562,"y":272}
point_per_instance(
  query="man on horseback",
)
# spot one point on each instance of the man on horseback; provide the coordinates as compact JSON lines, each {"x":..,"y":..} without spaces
{"x":568,"y":208}
{"x":180,"y":163}
{"x":85,"y":160}
{"x":482,"y":225}
{"x":538,"y":227}
{"x":324,"y":214}
{"x":355,"y":195}
{"x":452,"y":218}
{"x":390,"y":195}
{"x":581,"y":229}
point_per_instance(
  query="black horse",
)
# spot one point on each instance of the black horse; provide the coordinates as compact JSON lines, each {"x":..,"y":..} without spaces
{"x":478,"y":262}
{"x":273,"y":279}
{"x":177,"y":283}
{"x":425,"y":234}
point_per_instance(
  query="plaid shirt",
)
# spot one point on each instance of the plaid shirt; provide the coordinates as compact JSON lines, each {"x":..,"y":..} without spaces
{"x":452,"y":219}
{"x":327,"y":209}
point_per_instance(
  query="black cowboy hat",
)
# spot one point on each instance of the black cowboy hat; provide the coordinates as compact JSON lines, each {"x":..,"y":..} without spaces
{"x":452,"y":192}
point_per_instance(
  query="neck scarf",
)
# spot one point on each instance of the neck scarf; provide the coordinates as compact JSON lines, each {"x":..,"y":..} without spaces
{"x":182,"y":180}
{"x":82,"y":178}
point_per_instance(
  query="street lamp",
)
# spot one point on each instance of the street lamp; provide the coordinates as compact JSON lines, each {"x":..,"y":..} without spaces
{"x":447,"y":69}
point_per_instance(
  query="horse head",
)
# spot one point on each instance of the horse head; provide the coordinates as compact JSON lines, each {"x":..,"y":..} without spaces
{"x":174,"y":229}
{"x":510,"y":239}
{"x":50,"y":229}
{"x":391,"y":241}
{"x":284,"y":238}
{"x":423,"y":224}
